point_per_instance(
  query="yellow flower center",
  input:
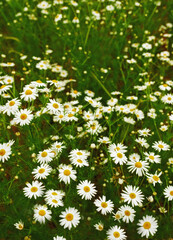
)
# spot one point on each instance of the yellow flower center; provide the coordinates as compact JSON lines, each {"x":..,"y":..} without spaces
{"x":23,"y":116}
{"x":160,"y":146}
{"x":34,"y":189}
{"x":119,"y":155}
{"x":42,"y":212}
{"x":79,"y":153}
{"x":86,"y":189}
{"x":28,"y":92}
{"x":20,"y":226}
{"x":169,"y":98}
{"x":151,"y":157}
{"x":104,"y":204}
{"x":56,"y":105}
{"x":171,"y":193}
{"x":100,"y":227}
{"x":138,"y":164}
{"x":127,"y":213}
{"x":67,"y":172}
{"x":11,"y":103}
{"x":75,"y":91}
{"x":44,"y":154}
{"x":41,"y":170}
{"x":2,"y":152}
{"x":58,"y":146}
{"x":60,"y":116}
{"x":69,"y":217}
{"x":79,"y":161}
{"x":54,"y":201}
{"x":132,"y":195}
{"x":116,"y":234}
{"x":165,"y":85}
{"x":156,"y":178}
{"x":147,"y":225}
{"x":70,"y":115}
{"x":39,"y":81}
{"x":3,"y":86}
{"x":54,"y":193}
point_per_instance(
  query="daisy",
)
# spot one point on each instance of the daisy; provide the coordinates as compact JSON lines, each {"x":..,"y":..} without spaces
{"x":168,"y":192}
{"x":142,"y":142}
{"x":69,"y":218}
{"x":53,"y":106}
{"x":104,"y":206}
{"x":113,"y":148}
{"x":144,"y":132}
{"x":86,"y":189}
{"x":154,"y":178}
{"x":41,"y":213}
{"x":134,"y":157}
{"x":70,"y":116}
{"x":128,"y":213}
{"x":117,"y":216}
{"x":59,"y":117}
{"x":79,"y":162}
{"x":19,"y":225}
{"x":59,"y":238}
{"x":5,"y":151}
{"x":161,"y":146}
{"x":58,"y":146}
{"x":11,"y":106}
{"x":93,"y":127}
{"x":41,"y":172}
{"x":23,"y":117}
{"x":116,"y":233}
{"x":29,"y":94}
{"x":104,"y":140}
{"x":66,"y":173}
{"x":119,"y":157}
{"x":51,"y":194}
{"x":34,"y":189}
{"x":138,"y":166}
{"x":4,"y":88}
{"x":76,"y":153}
{"x":99,"y":226}
{"x":151,"y":157}
{"x":45,"y":156}
{"x":132,"y":195}
{"x":54,"y":202}
{"x":147,"y":226}
{"x":168,"y":98}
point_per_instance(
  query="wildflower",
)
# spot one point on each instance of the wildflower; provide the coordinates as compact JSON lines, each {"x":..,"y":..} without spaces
{"x":45,"y":156}
{"x":34,"y":189}
{"x":51,"y":194}
{"x":104,"y":206}
{"x":23,"y":117}
{"x":5,"y":151}
{"x":86,"y":189}
{"x":29,"y":94}
{"x":161,"y":146}
{"x":99,"y":226}
{"x":138,"y":166}
{"x":116,"y":233}
{"x":11,"y":106}
{"x":132,"y":195}
{"x":168,"y":192}
{"x":152,"y":157}
{"x":19,"y":225}
{"x":154,"y":178}
{"x":66,"y":173}
{"x":147,"y":226}
{"x":41,"y":213}
{"x":168,"y":98}
{"x":127,"y":213}
{"x":41,"y":172}
{"x":69,"y":218}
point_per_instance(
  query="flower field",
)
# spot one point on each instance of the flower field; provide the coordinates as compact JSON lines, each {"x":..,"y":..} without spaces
{"x":86,"y":120}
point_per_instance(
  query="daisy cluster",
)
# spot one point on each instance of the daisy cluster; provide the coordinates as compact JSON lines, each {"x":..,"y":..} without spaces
{"x":87,"y":161}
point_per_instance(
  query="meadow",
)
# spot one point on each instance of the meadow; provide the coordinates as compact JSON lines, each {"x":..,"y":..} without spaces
{"x":86,"y":120}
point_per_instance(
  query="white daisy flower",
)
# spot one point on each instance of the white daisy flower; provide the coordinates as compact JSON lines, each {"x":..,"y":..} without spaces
{"x":168,"y":98}
{"x":132,"y":195}
{"x":51,"y":194}
{"x":66,"y":173}
{"x":45,"y":156}
{"x":41,"y":213}
{"x":134,"y":157}
{"x":54,"y":202}
{"x":79,"y":162}
{"x":161,"y":146}
{"x":53,"y":106}
{"x":34,"y":189}
{"x":23,"y":117}
{"x":116,"y":233}
{"x":69,"y":218}
{"x":104,"y":206}
{"x":5,"y":151}
{"x":99,"y":226}
{"x":29,"y":94}
{"x":154,"y":178}
{"x":76,"y":153}
{"x":86,"y":189}
{"x":113,"y":148}
{"x":139,"y":167}
{"x":152,"y":157}
{"x":19,"y":225}
{"x":128,"y":213}
{"x":11,"y":106}
{"x":147,"y":226}
{"x":58,"y":146}
{"x":41,"y":172}
{"x":168,"y":192}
